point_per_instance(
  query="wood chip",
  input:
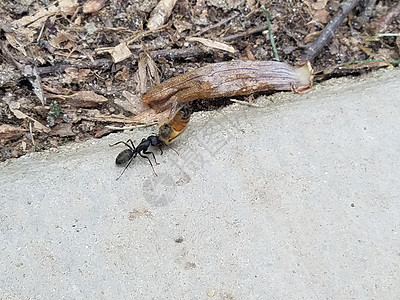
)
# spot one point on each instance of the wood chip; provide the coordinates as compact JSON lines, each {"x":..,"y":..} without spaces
{"x":160,"y":14}
{"x":93,"y":6}
{"x":120,"y":52}
{"x":8,"y":132}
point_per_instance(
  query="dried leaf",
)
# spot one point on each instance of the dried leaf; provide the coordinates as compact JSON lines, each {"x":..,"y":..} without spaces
{"x":147,"y":73}
{"x":212,"y":44}
{"x":63,"y":40}
{"x":367,"y":65}
{"x":141,"y":75}
{"x":85,"y":99}
{"x":153,"y":72}
{"x":123,"y":75}
{"x":75,"y":75}
{"x":36,"y":124}
{"x":132,"y":103}
{"x":322,"y":16}
{"x":366,"y":50}
{"x":25,"y":35}
{"x":349,"y":68}
{"x":150,"y":116}
{"x":32,"y":74}
{"x":26,"y":27}
{"x":63,"y":130}
{"x":95,"y":115}
{"x":68,"y":7}
{"x":57,"y":90}
{"x":316,"y":4}
{"x":99,"y":133}
{"x":37,"y":20}
{"x":311,"y":37}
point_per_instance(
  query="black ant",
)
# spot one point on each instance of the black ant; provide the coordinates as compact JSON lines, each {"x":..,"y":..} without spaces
{"x":168,"y":132}
{"x":127,"y":155}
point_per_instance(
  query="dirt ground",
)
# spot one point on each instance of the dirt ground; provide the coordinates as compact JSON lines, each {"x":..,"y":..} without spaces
{"x":70,"y":68}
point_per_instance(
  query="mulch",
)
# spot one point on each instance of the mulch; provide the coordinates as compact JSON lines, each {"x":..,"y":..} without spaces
{"x":72,"y":70}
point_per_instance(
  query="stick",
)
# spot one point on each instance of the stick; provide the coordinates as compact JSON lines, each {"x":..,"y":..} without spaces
{"x":329,"y":31}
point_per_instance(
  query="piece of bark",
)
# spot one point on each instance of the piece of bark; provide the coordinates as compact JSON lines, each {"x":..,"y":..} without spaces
{"x":228,"y":79}
{"x":8,"y":132}
{"x":160,"y":13}
{"x":85,"y":99}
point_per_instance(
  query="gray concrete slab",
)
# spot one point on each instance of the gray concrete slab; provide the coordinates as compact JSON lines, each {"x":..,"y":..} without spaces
{"x":298,"y":199}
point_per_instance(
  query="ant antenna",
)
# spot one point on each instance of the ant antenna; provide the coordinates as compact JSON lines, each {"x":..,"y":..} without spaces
{"x":172,"y":149}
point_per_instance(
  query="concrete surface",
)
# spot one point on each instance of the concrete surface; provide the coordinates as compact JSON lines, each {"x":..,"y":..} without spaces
{"x":299,"y":199}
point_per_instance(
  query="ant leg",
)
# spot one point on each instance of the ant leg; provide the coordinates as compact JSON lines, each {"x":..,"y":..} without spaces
{"x":149,"y":152}
{"x":160,"y":147}
{"x":144,"y":156}
{"x":127,"y":165}
{"x":125,"y":143}
{"x":133,"y":146}
{"x":120,"y":142}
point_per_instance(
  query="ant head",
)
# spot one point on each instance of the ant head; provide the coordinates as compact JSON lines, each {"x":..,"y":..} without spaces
{"x":153,"y":139}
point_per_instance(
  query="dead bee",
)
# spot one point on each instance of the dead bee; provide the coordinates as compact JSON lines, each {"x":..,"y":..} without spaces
{"x":170,"y":130}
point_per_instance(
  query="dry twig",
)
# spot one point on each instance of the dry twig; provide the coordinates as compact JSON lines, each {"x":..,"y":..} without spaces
{"x":244,"y":34}
{"x":329,"y":31}
{"x":216,"y":25}
{"x":245,"y":103}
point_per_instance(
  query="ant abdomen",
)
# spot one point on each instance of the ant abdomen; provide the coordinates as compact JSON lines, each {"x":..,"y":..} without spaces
{"x":124,"y":157}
